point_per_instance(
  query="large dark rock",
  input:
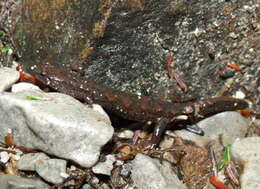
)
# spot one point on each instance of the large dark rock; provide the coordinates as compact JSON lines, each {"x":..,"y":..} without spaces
{"x":124,"y":44}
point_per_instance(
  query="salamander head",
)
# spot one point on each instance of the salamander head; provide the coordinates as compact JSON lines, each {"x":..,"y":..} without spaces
{"x":49,"y":71}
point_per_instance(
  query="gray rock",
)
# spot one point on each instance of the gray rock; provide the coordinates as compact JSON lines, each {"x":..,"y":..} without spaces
{"x":28,"y":161}
{"x":86,"y":186}
{"x":23,"y":86}
{"x":12,"y":181}
{"x":8,"y":76}
{"x":246,"y":151}
{"x":52,"y":170}
{"x":148,"y":173}
{"x":227,"y":125}
{"x":58,"y":124}
{"x":105,"y":167}
{"x":250,"y":178}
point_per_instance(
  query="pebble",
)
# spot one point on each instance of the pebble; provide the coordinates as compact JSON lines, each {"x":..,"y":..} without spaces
{"x":4,"y":157}
{"x":8,"y":181}
{"x":28,"y":162}
{"x":52,"y":170}
{"x":149,"y":173}
{"x":8,"y":76}
{"x":246,"y":152}
{"x":125,"y":134}
{"x":239,"y":94}
{"x":56,"y":124}
{"x":105,"y":167}
{"x":227,"y":125}
{"x":86,"y":186}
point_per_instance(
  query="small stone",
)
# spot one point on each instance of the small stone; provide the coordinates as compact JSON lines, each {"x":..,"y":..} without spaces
{"x":105,"y":167}
{"x":8,"y":181}
{"x":148,"y":173}
{"x":4,"y":157}
{"x":8,"y":76}
{"x":233,"y":35}
{"x":239,"y":94}
{"x":126,"y":134}
{"x":28,"y":161}
{"x":52,"y":170}
{"x":73,"y":168}
{"x":86,"y":186}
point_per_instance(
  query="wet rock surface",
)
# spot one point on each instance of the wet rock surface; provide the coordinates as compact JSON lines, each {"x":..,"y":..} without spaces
{"x":54,"y":120}
{"x":125,"y":44}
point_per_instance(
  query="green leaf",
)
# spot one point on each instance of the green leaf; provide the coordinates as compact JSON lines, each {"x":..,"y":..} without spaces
{"x":34,"y":98}
{"x":5,"y":49}
{"x":226,"y":158}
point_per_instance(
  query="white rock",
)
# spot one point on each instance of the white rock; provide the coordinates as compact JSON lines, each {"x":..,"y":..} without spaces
{"x":239,"y":94}
{"x":4,"y":157}
{"x":227,"y":125}
{"x":250,"y":177}
{"x":58,"y":125}
{"x":246,"y":151}
{"x":28,"y":161}
{"x":126,"y":134}
{"x":148,"y":173}
{"x":23,"y":86}
{"x":105,"y":167}
{"x":52,"y":170}
{"x":12,"y":181}
{"x":8,"y":76}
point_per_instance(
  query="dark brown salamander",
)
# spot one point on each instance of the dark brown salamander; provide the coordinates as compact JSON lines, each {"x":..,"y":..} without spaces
{"x":131,"y":106}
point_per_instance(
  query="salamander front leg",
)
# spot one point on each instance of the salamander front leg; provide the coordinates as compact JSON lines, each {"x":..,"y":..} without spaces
{"x":158,"y":131}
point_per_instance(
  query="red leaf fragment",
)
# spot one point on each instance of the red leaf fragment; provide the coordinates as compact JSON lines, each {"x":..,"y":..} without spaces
{"x":234,"y":66}
{"x":217,"y":183}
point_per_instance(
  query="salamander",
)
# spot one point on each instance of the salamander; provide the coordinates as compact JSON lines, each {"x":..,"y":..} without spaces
{"x":131,"y":106}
